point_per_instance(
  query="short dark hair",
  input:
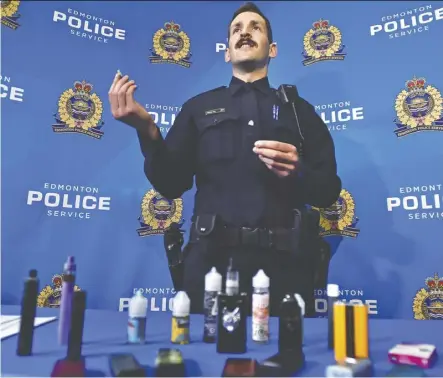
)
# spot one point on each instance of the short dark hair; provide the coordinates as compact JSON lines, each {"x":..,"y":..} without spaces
{"x":251,"y":7}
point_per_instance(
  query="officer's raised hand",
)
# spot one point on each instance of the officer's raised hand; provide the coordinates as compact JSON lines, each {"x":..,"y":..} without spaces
{"x":280,"y":158}
{"x":125,"y":109}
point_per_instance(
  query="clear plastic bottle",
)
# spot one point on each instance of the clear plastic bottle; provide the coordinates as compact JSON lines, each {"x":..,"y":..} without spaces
{"x":138,"y":308}
{"x":260,"y":307}
{"x":180,"y":318}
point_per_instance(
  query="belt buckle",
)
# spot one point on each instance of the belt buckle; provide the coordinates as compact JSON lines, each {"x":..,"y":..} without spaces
{"x":250,"y":236}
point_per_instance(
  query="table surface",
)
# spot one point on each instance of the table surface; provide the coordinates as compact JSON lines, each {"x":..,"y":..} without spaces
{"x":105,"y":333}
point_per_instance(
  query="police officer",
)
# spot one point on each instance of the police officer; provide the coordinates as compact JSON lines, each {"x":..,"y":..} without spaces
{"x":242,"y":145}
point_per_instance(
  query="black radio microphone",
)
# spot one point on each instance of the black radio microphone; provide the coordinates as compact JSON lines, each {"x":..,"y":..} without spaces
{"x":288,"y":94}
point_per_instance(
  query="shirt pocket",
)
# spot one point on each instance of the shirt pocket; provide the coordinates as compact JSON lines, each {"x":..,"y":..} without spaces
{"x":216,"y":137}
{"x":286,"y":132}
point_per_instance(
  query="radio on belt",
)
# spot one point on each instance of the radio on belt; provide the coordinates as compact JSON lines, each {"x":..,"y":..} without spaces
{"x":421,"y":355}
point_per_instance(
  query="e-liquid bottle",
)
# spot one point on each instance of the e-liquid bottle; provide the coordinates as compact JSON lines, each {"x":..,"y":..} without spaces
{"x":138,"y":308}
{"x":180,"y":318}
{"x":213,"y":285}
{"x":260,"y":307}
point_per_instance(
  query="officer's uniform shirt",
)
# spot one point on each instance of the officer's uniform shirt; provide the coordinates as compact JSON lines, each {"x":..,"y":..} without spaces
{"x":212,"y":140}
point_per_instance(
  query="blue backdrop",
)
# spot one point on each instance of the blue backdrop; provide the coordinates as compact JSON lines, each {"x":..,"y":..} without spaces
{"x":73,"y":181}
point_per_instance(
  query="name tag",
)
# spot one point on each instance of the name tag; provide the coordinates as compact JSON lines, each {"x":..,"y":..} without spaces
{"x":215,"y":111}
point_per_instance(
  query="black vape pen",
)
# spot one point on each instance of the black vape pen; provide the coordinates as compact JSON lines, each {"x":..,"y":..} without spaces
{"x":75,"y":339}
{"x":27,"y":315}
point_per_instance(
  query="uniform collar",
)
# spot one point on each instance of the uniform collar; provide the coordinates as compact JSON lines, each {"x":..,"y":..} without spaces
{"x":262,"y":85}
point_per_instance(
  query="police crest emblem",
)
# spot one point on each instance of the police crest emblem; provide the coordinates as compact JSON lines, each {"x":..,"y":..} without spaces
{"x":158,"y":213}
{"x":50,"y":295}
{"x":322,"y":42}
{"x":428,"y":302}
{"x":418,"y":108}
{"x":171,"y":45}
{"x":9,"y":12}
{"x":339,"y":219}
{"x":79,"y":111}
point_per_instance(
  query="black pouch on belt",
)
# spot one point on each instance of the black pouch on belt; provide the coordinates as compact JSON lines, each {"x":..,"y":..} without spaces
{"x":204,"y":229}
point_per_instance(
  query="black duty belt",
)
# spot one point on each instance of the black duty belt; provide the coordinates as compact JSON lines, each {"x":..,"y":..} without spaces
{"x":275,"y":238}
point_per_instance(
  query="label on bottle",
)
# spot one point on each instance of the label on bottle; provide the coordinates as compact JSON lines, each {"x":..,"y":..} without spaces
{"x":180,"y":330}
{"x":260,"y":317}
{"x":231,"y":319}
{"x":136,"y":330}
{"x":210,"y":315}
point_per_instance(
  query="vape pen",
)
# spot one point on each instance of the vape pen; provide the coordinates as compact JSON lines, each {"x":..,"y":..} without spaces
{"x":66,"y":300}
{"x":27,"y":315}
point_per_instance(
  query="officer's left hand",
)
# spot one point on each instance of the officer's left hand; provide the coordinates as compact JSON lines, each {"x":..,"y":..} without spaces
{"x":280,"y":158}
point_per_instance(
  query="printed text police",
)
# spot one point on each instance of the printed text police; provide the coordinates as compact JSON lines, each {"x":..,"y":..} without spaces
{"x":90,"y":27}
{"x":408,"y":22}
{"x":70,"y":204}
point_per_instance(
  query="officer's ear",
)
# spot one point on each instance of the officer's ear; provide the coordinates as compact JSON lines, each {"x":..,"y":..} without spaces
{"x":227,"y":55}
{"x":273,"y":50}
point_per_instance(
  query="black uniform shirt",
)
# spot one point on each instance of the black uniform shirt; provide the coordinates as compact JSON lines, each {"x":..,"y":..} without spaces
{"x":212,"y":139}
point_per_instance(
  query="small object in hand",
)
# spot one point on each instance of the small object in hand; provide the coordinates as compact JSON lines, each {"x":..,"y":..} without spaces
{"x":169,"y":363}
{"x":125,"y":365}
{"x":350,"y":367}
{"x":240,"y":367}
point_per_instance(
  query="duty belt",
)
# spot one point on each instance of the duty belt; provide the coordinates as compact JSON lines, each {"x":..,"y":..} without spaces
{"x":275,"y":238}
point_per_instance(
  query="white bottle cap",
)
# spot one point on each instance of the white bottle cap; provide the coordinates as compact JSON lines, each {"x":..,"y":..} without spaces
{"x":138,"y":306}
{"x":213,"y":280}
{"x":260,"y":280}
{"x":300,"y":302}
{"x":333,"y":290}
{"x":181,"y":305}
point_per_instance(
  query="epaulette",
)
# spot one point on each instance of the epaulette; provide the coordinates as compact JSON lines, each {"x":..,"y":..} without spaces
{"x":218,"y":88}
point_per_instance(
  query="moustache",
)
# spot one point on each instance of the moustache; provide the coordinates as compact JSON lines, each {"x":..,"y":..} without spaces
{"x":242,"y":41}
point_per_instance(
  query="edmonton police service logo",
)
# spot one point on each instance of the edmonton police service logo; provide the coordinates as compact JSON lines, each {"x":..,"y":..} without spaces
{"x":428,"y":302}
{"x":419,"y":108}
{"x":51,"y":294}
{"x":9,"y":9}
{"x":171,"y":45}
{"x":339,"y":219}
{"x":322,"y":42}
{"x":79,"y":111}
{"x":158,"y":213}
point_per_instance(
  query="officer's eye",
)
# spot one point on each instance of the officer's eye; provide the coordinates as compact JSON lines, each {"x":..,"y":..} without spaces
{"x":257,"y":27}
{"x":235,"y":30}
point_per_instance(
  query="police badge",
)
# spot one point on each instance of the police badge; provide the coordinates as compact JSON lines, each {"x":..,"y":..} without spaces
{"x":171,"y":45}
{"x":339,"y":219}
{"x":158,"y":213}
{"x":428,"y":303}
{"x":9,"y":9}
{"x":418,"y":108}
{"x":50,"y":295}
{"x":79,"y":111}
{"x":322,"y":42}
